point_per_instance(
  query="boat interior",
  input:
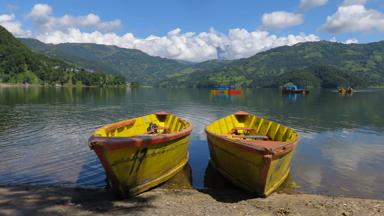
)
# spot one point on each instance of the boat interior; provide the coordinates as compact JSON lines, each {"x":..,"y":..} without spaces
{"x":149,"y":125}
{"x":248,"y":127}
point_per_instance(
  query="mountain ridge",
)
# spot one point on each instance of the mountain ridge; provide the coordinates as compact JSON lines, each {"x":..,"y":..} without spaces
{"x":18,"y":64}
{"x":317,"y":64}
{"x":134,"y":64}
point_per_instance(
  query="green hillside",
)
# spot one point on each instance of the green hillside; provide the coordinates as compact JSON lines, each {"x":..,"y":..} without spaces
{"x":134,"y":65}
{"x":18,"y":64}
{"x":182,"y":78}
{"x":317,"y":64}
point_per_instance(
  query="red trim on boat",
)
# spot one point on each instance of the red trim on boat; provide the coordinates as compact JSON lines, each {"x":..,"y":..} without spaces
{"x":266,"y":165}
{"x":108,"y":169}
{"x":161,"y":113}
{"x":239,"y":113}
{"x":112,"y":143}
{"x":237,"y":144}
{"x":275,"y":148}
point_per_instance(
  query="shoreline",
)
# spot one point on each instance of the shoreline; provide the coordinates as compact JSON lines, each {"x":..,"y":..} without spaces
{"x":36,"y":200}
{"x":7,"y":85}
{"x":11,"y":85}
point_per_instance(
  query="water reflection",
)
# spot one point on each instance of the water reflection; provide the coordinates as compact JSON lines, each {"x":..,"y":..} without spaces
{"x":44,"y":131}
{"x":183,"y":179}
{"x":294,"y":97}
{"x":214,"y":180}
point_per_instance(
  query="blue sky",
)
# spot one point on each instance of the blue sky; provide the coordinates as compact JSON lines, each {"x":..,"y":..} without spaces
{"x":222,"y":29}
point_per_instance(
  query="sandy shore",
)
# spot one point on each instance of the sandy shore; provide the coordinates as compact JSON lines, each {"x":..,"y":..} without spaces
{"x":64,"y":201}
{"x":5,"y":85}
{"x":10,"y":85}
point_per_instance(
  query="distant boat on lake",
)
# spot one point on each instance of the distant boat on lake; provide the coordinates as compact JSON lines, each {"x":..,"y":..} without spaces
{"x":344,"y":91}
{"x":143,"y":152}
{"x":225,"y":89}
{"x":294,"y":89}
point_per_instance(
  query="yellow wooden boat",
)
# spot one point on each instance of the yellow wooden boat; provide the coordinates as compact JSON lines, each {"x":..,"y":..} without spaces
{"x":140,"y":153}
{"x":252,"y":152}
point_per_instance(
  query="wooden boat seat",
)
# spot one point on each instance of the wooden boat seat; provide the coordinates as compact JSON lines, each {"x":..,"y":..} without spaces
{"x":265,"y":143}
{"x":244,"y":137}
{"x":262,"y":137}
{"x":236,"y":129}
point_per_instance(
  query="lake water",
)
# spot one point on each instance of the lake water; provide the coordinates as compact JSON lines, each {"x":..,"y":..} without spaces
{"x":44,"y":132}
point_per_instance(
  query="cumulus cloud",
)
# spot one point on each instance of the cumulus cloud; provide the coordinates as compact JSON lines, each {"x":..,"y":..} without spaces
{"x":308,"y":4}
{"x":354,"y":18}
{"x":7,"y":17}
{"x":190,"y":46}
{"x":281,"y":19}
{"x":8,"y":21}
{"x":351,"y":41}
{"x":238,"y":43}
{"x":43,"y":20}
{"x":40,"y":10}
{"x":242,"y":43}
{"x":354,"y":2}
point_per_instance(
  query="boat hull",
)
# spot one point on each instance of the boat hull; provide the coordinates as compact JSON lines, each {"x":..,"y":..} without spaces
{"x":298,"y":91}
{"x":254,"y":168}
{"x":134,"y":165}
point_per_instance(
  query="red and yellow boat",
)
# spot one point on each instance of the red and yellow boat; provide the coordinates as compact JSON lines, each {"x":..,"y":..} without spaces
{"x":140,"y":153}
{"x":252,"y":152}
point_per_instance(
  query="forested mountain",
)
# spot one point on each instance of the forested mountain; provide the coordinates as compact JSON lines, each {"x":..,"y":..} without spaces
{"x":18,"y":64}
{"x":317,"y":64}
{"x":134,"y":65}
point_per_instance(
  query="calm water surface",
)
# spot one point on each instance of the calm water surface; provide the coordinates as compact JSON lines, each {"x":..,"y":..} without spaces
{"x":44,"y":132}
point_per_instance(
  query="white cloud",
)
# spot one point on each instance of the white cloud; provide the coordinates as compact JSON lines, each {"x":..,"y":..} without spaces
{"x":40,"y":10}
{"x":341,"y":158}
{"x":190,"y":46}
{"x":308,"y":4}
{"x":354,"y":2}
{"x":242,"y":43}
{"x":351,"y":41}
{"x":239,"y":43}
{"x":8,"y":21}
{"x":7,"y":17}
{"x":42,"y":19}
{"x":354,"y":18}
{"x":281,"y":19}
